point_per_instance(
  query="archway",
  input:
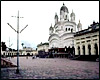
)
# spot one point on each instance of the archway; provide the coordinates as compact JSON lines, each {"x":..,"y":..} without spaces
{"x":28,"y":54}
{"x":96,"y":48}
{"x":78,"y":50}
{"x":83,"y":50}
{"x":89,"y":49}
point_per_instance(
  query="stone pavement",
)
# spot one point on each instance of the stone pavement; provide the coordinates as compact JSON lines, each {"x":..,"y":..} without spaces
{"x":52,"y":68}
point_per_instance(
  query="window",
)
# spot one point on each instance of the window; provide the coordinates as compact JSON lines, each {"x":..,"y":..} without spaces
{"x":3,"y":53}
{"x":83,"y":42}
{"x":88,"y":40}
{"x":88,"y":37}
{"x":94,"y":39}
{"x":82,"y":38}
{"x":78,"y":43}
{"x":71,"y":30}
{"x":94,"y":36}
{"x":66,"y":29}
{"x":77,"y":39}
{"x":66,"y":16}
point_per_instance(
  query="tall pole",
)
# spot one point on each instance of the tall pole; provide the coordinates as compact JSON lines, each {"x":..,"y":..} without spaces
{"x":17,"y":71}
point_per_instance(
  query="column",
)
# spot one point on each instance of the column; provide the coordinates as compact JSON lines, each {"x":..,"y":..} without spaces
{"x":76,"y":50}
{"x":98,"y":48}
{"x":92,"y":49}
{"x":86,"y":49}
{"x":81,"y":50}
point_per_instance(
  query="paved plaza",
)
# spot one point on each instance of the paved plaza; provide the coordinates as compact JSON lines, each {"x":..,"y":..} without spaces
{"x":52,"y":68}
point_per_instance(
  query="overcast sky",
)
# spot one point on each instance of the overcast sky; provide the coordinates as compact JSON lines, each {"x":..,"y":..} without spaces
{"x":39,"y":15}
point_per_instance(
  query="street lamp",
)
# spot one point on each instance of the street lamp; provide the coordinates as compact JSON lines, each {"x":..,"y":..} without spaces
{"x":17,"y":70}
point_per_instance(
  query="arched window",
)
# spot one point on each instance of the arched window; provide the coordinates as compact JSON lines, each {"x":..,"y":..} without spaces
{"x":71,"y":30}
{"x":66,"y":17}
{"x":78,"y":50}
{"x":96,"y":48}
{"x":83,"y":50}
{"x":66,"y":29}
{"x":3,"y":53}
{"x":89,"y":49}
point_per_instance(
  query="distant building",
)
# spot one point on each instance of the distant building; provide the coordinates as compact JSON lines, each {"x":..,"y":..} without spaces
{"x":86,"y":42}
{"x":42,"y":49}
{"x":26,"y":51}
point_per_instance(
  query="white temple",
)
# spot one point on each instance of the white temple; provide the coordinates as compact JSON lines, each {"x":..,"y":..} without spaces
{"x":62,"y":33}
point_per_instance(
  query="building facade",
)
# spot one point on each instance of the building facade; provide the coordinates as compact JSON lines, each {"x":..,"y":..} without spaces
{"x":86,"y":42}
{"x":42,"y":49}
{"x":26,"y":51}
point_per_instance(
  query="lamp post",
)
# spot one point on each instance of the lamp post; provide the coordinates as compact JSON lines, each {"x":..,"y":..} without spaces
{"x":17,"y":70}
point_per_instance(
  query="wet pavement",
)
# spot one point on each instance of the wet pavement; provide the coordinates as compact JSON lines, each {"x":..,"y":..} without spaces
{"x":52,"y":68}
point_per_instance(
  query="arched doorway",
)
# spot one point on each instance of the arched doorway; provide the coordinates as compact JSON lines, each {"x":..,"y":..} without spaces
{"x":73,"y":50}
{"x":89,"y":49}
{"x":78,"y":50}
{"x":96,"y":48}
{"x":83,"y":50}
{"x":28,"y":54}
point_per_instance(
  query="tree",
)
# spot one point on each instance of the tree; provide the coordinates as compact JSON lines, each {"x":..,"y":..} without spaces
{"x":3,"y":46}
{"x":22,"y":44}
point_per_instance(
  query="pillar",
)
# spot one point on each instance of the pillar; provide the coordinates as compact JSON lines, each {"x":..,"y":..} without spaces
{"x":98,"y":48}
{"x":92,"y":49}
{"x":81,"y":50}
{"x":86,"y":49}
{"x":76,"y":50}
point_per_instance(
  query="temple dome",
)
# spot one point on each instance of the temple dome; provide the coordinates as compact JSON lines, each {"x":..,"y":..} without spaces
{"x":64,"y":8}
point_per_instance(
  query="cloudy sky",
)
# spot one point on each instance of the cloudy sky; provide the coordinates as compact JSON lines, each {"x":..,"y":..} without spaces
{"x":39,"y":15}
